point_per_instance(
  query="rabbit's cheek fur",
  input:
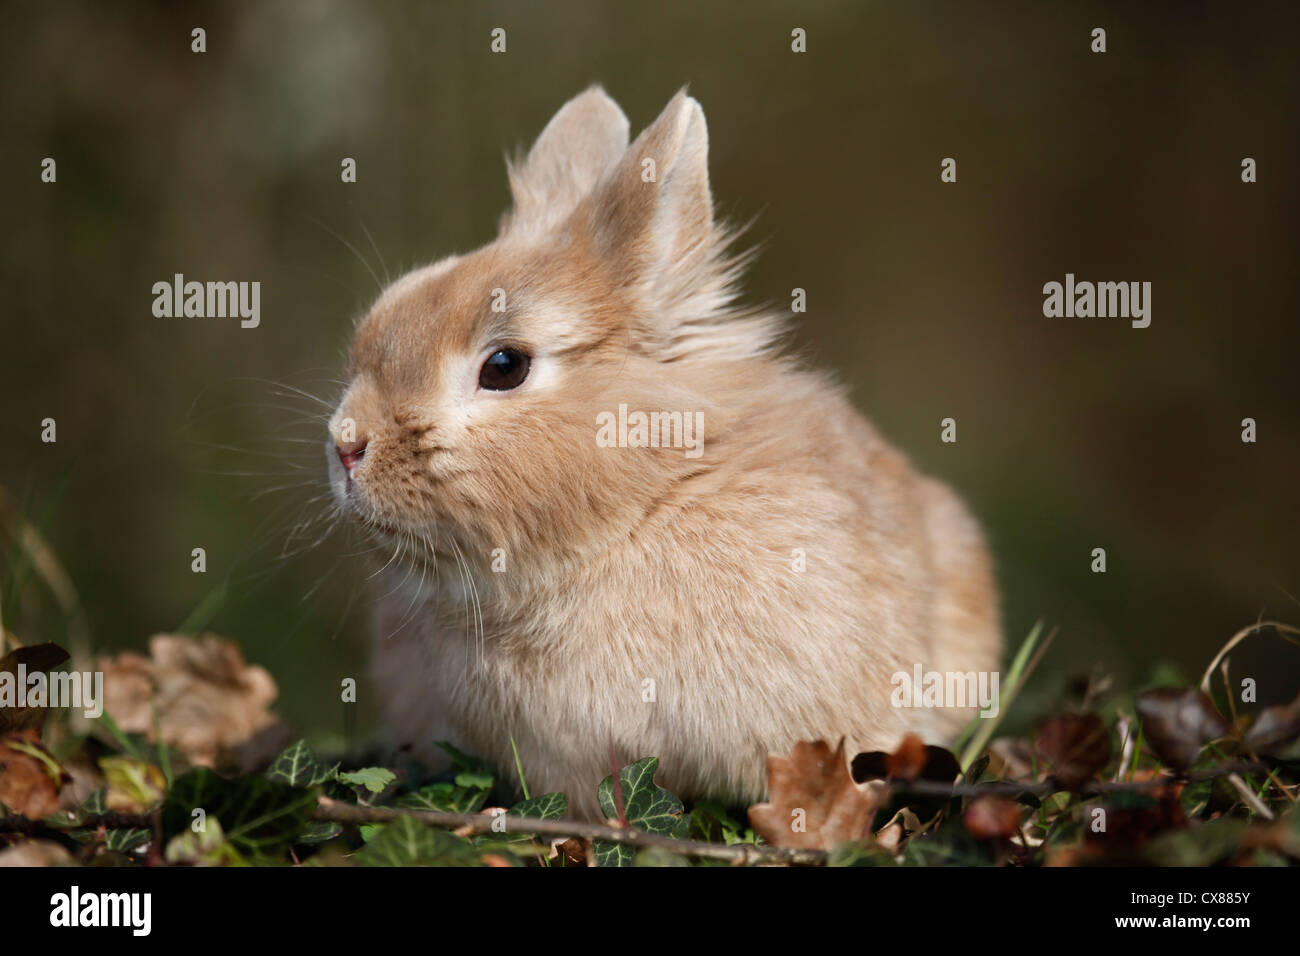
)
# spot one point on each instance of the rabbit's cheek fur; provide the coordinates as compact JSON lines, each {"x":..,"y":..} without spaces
{"x":764,"y":589}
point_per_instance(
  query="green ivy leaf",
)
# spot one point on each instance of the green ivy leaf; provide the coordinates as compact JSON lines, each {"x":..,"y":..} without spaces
{"x":546,"y":806}
{"x":475,"y":781}
{"x":299,"y":767}
{"x":209,"y":848}
{"x":648,"y":807}
{"x":124,"y":841}
{"x":374,"y":779}
{"x":260,"y":817}
{"x":319,"y":831}
{"x":443,"y":797}
{"x":659,"y":857}
{"x":710,"y":821}
{"x":408,"y":842}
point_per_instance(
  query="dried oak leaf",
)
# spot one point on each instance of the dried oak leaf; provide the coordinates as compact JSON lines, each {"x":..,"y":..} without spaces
{"x":1075,"y":747}
{"x":30,"y":777}
{"x":992,"y":818}
{"x":1177,"y":722}
{"x":813,"y":802}
{"x":207,"y":698}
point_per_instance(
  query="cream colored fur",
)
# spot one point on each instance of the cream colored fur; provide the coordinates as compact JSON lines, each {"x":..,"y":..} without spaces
{"x":624,"y":566}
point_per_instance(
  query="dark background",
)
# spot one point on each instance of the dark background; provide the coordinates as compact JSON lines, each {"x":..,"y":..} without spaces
{"x":924,"y":297}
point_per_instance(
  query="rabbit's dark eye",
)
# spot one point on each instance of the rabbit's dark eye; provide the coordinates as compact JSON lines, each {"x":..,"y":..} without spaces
{"x":505,"y":369}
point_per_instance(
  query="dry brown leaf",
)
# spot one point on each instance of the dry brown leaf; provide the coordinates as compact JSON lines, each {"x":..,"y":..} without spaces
{"x":1075,"y":747}
{"x":907,"y":762}
{"x":1177,"y":722}
{"x":572,"y":849}
{"x":208,"y":699}
{"x":813,"y":802}
{"x":30,"y":777}
{"x":1011,"y":759}
{"x":35,"y":853}
{"x":32,"y":659}
{"x":992,"y":818}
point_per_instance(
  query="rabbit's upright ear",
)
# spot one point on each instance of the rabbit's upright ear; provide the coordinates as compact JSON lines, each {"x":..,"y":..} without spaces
{"x":580,"y":144}
{"x":652,"y":217}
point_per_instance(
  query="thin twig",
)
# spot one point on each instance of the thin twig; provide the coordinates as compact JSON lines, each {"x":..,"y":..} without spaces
{"x":466,"y":823}
{"x":335,"y":811}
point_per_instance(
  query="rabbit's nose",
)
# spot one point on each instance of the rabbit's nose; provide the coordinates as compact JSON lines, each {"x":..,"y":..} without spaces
{"x":351,"y":453}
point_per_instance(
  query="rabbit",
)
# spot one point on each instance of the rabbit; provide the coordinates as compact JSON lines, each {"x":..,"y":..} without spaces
{"x":585,"y":602}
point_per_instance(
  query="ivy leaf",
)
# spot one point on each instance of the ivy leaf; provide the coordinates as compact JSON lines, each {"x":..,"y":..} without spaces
{"x":133,"y":785}
{"x":209,"y":848}
{"x":260,"y":817}
{"x":710,"y":821}
{"x":299,"y":767}
{"x":408,"y":842}
{"x":124,"y":840}
{"x":546,"y":806}
{"x":319,"y":831}
{"x":374,"y":779}
{"x":648,"y":807}
{"x":475,"y":781}
{"x":462,"y":762}
{"x":443,"y":797}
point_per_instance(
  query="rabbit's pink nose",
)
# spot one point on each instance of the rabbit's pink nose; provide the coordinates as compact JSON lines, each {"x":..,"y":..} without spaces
{"x":351,"y":453}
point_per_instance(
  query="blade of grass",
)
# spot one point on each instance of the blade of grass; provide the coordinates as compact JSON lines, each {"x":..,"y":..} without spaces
{"x":1283,"y":631}
{"x":201,"y":617}
{"x":519,"y":768}
{"x":1021,"y":667}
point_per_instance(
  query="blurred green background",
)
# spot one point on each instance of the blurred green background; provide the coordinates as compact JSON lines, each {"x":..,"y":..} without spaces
{"x":926,"y":298}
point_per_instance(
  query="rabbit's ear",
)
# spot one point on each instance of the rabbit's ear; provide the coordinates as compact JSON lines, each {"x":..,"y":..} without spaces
{"x":579,"y":145}
{"x":653,"y":215}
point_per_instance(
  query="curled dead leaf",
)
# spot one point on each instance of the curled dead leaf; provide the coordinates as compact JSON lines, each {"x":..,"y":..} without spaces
{"x":15,"y":668}
{"x":30,"y":777}
{"x":1075,"y":747}
{"x":35,"y":853}
{"x":907,"y":762}
{"x":912,"y":760}
{"x":208,"y":699}
{"x":992,"y":818}
{"x":1177,"y":722}
{"x":1274,"y":731}
{"x":813,"y":802}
